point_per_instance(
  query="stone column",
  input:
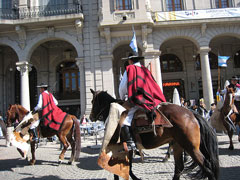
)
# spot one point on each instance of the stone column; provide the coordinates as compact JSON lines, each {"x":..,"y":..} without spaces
{"x":80,"y":64}
{"x":107,"y":74}
{"x":152,"y":59}
{"x":24,"y":67}
{"x":206,"y":77}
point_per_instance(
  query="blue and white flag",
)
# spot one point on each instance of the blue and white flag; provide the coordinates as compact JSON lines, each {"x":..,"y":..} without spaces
{"x":222,"y":61}
{"x":133,"y":44}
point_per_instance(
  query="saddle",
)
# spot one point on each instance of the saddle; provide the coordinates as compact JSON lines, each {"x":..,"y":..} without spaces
{"x":142,"y":123}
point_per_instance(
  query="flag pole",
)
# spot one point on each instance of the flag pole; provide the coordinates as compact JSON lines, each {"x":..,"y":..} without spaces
{"x":219,"y":77}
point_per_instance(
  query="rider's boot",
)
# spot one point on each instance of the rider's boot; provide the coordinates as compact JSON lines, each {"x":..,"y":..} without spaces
{"x":35,"y":134}
{"x":127,"y":137}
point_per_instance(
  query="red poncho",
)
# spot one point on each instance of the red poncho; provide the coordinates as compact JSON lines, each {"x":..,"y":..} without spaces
{"x":52,"y":115}
{"x":143,"y":89}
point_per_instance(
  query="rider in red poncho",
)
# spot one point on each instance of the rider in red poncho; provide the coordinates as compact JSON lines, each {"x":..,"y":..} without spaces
{"x":51,"y":114}
{"x":142,"y":91}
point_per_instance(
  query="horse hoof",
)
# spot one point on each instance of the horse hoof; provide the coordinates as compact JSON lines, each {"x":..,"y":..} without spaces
{"x":32,"y":162}
{"x":165,"y":160}
{"x":230,"y":148}
{"x":59,"y":161}
{"x":69,"y":163}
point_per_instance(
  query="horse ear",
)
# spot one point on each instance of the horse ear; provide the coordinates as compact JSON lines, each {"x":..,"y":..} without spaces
{"x":92,"y":91}
{"x":9,"y":106}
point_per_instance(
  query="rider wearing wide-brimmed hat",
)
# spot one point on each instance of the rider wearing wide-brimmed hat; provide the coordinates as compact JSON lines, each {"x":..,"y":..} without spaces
{"x":234,"y":84}
{"x":141,"y":90}
{"x":43,"y":97}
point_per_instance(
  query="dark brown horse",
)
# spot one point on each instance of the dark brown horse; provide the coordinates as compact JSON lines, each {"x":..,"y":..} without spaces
{"x":69,"y":129}
{"x":190,"y":132}
{"x":221,"y":117}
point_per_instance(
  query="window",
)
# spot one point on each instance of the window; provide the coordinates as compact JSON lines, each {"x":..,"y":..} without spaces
{"x":69,"y":80}
{"x":170,"y":63}
{"x":237,"y":60}
{"x":6,"y":4}
{"x":123,"y":4}
{"x":222,"y":3}
{"x":174,"y":5}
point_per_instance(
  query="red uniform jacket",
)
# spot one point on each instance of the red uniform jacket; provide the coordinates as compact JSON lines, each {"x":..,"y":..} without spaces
{"x":143,"y":89}
{"x":52,"y":115}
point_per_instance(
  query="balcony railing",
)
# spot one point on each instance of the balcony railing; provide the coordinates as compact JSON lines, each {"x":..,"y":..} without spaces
{"x":40,"y":11}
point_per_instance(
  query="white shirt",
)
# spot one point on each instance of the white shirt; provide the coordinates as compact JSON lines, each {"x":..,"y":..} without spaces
{"x":236,"y":93}
{"x":123,"y":88}
{"x":39,"y":105}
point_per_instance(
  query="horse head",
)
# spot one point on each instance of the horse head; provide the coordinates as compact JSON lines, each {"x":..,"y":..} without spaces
{"x":100,"y":105}
{"x":230,"y":94}
{"x":15,"y":113}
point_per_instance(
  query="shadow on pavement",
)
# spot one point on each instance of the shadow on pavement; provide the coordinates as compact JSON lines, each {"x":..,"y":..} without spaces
{"x":89,"y":163}
{"x":50,"y":177}
{"x":89,"y":150}
{"x":227,"y":172}
{"x":9,"y":164}
{"x":226,"y":151}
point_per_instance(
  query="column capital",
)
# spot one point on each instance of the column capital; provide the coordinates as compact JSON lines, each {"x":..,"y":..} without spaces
{"x":152,"y":53}
{"x":204,"y":49}
{"x":23,"y":66}
{"x":79,"y":61}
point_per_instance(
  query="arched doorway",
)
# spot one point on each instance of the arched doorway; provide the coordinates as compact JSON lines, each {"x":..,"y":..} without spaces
{"x":8,"y":59}
{"x":56,"y":66}
{"x":177,"y":68}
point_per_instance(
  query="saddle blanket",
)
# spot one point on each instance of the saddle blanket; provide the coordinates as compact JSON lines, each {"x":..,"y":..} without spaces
{"x":109,"y":157}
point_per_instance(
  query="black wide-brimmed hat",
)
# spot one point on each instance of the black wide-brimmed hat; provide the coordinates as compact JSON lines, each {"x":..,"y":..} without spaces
{"x":134,"y":58}
{"x":42,"y":85}
{"x":235,"y":78}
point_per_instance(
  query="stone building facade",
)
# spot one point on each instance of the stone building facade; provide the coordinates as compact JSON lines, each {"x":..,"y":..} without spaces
{"x":75,"y":45}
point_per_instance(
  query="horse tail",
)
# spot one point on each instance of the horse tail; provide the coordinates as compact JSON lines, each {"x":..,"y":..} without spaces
{"x":4,"y":128}
{"x":77,"y":137}
{"x":209,"y":149}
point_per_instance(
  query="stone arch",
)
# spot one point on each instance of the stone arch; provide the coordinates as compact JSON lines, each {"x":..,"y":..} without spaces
{"x":214,"y":32}
{"x":116,"y":42}
{"x":193,"y":34}
{"x":43,"y":37}
{"x":13,"y":44}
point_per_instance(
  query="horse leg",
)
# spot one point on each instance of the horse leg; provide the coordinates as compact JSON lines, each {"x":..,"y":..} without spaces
{"x":230,"y":134}
{"x":64,"y":141}
{"x":33,"y":160}
{"x":165,"y":159}
{"x":178,"y":159}
{"x":116,"y":177}
{"x":130,"y":166}
{"x":72,"y":142}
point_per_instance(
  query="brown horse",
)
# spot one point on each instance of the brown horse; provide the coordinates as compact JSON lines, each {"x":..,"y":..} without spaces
{"x":220,"y":119}
{"x":69,"y":129}
{"x":190,"y":132}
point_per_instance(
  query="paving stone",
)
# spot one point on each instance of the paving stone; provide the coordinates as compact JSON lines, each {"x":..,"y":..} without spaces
{"x":13,"y":167}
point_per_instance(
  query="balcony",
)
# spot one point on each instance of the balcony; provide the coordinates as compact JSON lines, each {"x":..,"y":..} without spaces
{"x":40,"y":11}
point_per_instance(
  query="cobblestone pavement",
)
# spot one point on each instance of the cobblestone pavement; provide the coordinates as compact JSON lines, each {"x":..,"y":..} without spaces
{"x":12,"y":167}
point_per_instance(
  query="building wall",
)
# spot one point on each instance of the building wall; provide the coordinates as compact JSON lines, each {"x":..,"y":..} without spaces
{"x":95,"y":38}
